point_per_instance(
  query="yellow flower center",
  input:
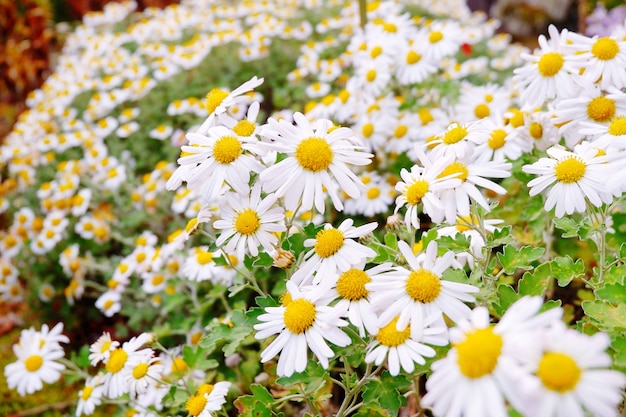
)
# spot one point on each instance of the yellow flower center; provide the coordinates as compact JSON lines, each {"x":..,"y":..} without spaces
{"x":558,"y":372}
{"x":33,"y":363}
{"x":227,"y":149}
{"x":478,"y":354}
{"x":416,"y":191}
{"x":203,"y":257}
{"x":425,"y":116}
{"x":195,"y":404}
{"x":605,"y":48}
{"x":536,"y":130}
{"x":373,"y":193}
{"x":351,"y":284}
{"x":400,"y":131}
{"x":299,"y":315}
{"x":601,"y":109}
{"x":116,"y":361}
{"x":389,"y":336}
{"x":205,"y":389}
{"x":481,"y":111}
{"x":370,"y":76}
{"x":328,"y":242}
{"x":108,"y":304}
{"x":454,"y":135}
{"x":570,"y":170}
{"x":314,"y":154}
{"x":367,"y":130}
{"x":140,"y":370}
{"x":423,"y":286}
{"x":435,"y":36}
{"x":458,"y":169}
{"x":247,"y":222}
{"x":179,"y":365}
{"x":413,"y":57}
{"x":517,"y":119}
{"x":86,"y":392}
{"x":550,"y":64}
{"x":496,"y":139}
{"x":244,"y":128}
{"x":376,"y":51}
{"x":618,"y":126}
{"x":158,"y":279}
{"x":214,"y":98}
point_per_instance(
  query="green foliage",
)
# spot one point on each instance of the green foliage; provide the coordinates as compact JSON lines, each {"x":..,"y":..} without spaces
{"x":383,"y":395}
{"x":513,"y":258}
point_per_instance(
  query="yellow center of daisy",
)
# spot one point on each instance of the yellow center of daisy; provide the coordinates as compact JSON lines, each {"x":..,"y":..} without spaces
{"x":601,"y":109}
{"x":376,"y":51}
{"x":390,"y":336}
{"x":478,"y":354}
{"x":435,"y":36}
{"x":367,"y":130}
{"x":33,"y":363}
{"x":314,"y":154}
{"x":244,"y":128}
{"x":425,"y":116}
{"x":105,"y":346}
{"x":605,"y":48}
{"x":214,"y":98}
{"x":481,"y":111}
{"x":108,"y":304}
{"x":86,"y":392}
{"x":203,"y":257}
{"x":116,"y":361}
{"x":247,"y":222}
{"x":463,"y":222}
{"x":618,"y":126}
{"x":179,"y":365}
{"x":496,"y":139}
{"x":570,"y":170}
{"x":157,"y":279}
{"x":227,"y":149}
{"x":351,"y":284}
{"x":536,"y":130}
{"x":205,"y":389}
{"x":299,"y":315}
{"x":195,"y":404}
{"x":454,"y":135}
{"x":457,"y":169}
{"x":328,"y":242}
{"x":558,"y":372}
{"x":416,"y":191}
{"x":400,"y":131}
{"x":413,"y":58}
{"x":423,"y":286}
{"x":550,"y":64}
{"x":373,"y":193}
{"x":140,"y":370}
{"x":370,"y":75}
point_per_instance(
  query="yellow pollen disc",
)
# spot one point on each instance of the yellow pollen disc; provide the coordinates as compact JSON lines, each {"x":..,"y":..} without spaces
{"x":116,"y":361}
{"x":558,"y":372}
{"x":214,"y":98}
{"x":314,"y":154}
{"x":463,"y":222}
{"x":550,"y":64}
{"x":416,"y":191}
{"x":458,"y":169}
{"x":33,"y":363}
{"x":413,"y":58}
{"x":478,"y":354}
{"x":351,"y":284}
{"x":390,"y":27}
{"x":205,"y":389}
{"x":601,"y":109}
{"x":496,"y":139}
{"x":400,"y":131}
{"x":389,"y":336}
{"x":247,"y":222}
{"x":108,"y":304}
{"x":367,"y":130}
{"x":376,"y":51}
{"x":488,"y":98}
{"x":481,"y":111}
{"x":86,"y":392}
{"x":105,"y":346}
{"x":158,"y":279}
{"x":195,"y":404}
{"x":536,"y":130}
{"x":425,"y":116}
{"x":435,"y":36}
{"x":454,"y":135}
{"x":244,"y":128}
{"x":299,"y":315}
{"x":179,"y":365}
{"x":570,"y":170}
{"x":370,"y":76}
{"x":618,"y":126}
{"x":373,"y":193}
{"x":140,"y":370}
{"x":517,"y":119}
{"x":203,"y":257}
{"x":226,"y":149}
{"x":328,"y":242}
{"x":423,"y":286}
{"x":191,"y":225}
{"x":286,"y":298}
{"x":605,"y":49}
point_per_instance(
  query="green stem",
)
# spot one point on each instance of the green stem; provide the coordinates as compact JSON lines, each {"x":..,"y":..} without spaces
{"x":363,"y":12}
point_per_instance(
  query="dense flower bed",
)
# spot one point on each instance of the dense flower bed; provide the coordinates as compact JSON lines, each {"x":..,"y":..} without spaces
{"x":435,"y":213}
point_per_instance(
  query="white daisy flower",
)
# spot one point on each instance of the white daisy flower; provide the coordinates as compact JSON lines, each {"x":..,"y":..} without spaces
{"x":161,"y":132}
{"x":90,"y":396}
{"x":376,"y":198}
{"x":199,"y":264}
{"x":146,"y":372}
{"x":207,"y":399}
{"x":459,"y":140}
{"x":573,"y":177}
{"x":420,"y":292}
{"x":502,"y":142}
{"x":303,"y":320}
{"x":249,"y":222}
{"x":612,"y":134}
{"x":604,"y":59}
{"x":317,"y":159}
{"x":109,"y":302}
{"x":101,"y":349}
{"x":119,"y":365}
{"x":334,"y":251}
{"x":482,"y":368}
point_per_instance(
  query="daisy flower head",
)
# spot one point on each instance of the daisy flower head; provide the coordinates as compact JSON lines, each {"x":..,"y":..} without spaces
{"x":574,"y":178}
{"x":537,"y":128}
{"x":334,"y":251}
{"x":483,"y":369}
{"x":502,"y":143}
{"x":245,"y":128}
{"x":411,"y":66}
{"x":248,"y":221}
{"x":207,"y":399}
{"x":572,"y":375}
{"x":420,"y":292}
{"x":302,"y":321}
{"x":604,"y":59}
{"x":458,"y":140}
{"x":613,"y":134}
{"x":376,"y":198}
{"x":90,"y":396}
{"x":145,"y":373}
{"x":101,"y":349}
{"x":317,"y":163}
{"x":121,"y":362}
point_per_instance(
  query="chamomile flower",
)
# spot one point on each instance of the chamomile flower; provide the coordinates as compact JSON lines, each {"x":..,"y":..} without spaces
{"x":613,"y":134}
{"x":249,"y":222}
{"x":303,"y":321}
{"x":502,"y":143}
{"x":458,"y":140}
{"x":199,"y":265}
{"x":145,"y":374}
{"x":376,"y":199}
{"x":604,"y":59}
{"x":161,"y":132}
{"x":411,"y":65}
{"x":208,"y":398}
{"x":109,"y":303}
{"x":334,"y":250}
{"x":101,"y":349}
{"x":316,"y":163}
{"x":417,"y":293}
{"x":573,"y":177}
{"x":119,"y":365}
{"x":90,"y":396}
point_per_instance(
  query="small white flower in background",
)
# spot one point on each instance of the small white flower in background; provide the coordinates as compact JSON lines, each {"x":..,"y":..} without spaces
{"x":101,"y":349}
{"x":90,"y":396}
{"x":109,"y":302}
{"x":208,"y":398}
{"x":120,"y":364}
{"x":459,"y":140}
{"x":161,"y":132}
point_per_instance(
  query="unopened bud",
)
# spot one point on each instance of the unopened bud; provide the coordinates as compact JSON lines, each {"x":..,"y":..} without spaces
{"x":283,"y":259}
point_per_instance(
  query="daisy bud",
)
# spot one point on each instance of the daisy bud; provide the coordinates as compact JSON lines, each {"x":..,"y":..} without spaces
{"x":283,"y":259}
{"x":394,"y":223}
{"x":233,"y":360}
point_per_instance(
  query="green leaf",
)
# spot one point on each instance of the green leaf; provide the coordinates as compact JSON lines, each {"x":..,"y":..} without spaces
{"x":312,"y":378}
{"x":615,"y":274}
{"x":263,"y":260}
{"x":196,"y":358}
{"x":507,"y":296}
{"x":622,"y":252}
{"x":612,"y":293}
{"x":564,"y":269}
{"x":458,"y":243}
{"x":608,"y":316}
{"x":386,"y":393}
{"x":499,"y":237}
{"x":258,"y":404}
{"x":391,"y":240}
{"x":234,"y":334}
{"x":573,"y":228}
{"x":535,"y":282}
{"x":455,"y":275}
{"x":513,"y":258}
